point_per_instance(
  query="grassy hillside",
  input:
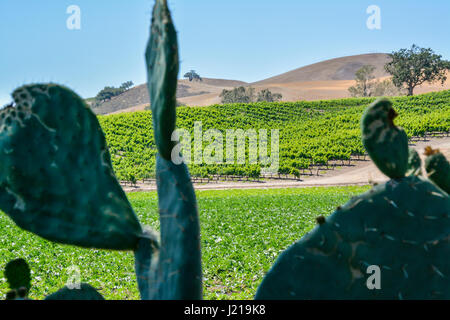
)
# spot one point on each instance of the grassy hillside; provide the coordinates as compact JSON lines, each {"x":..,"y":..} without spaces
{"x":310,"y":132}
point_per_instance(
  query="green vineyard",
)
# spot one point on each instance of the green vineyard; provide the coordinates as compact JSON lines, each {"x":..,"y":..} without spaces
{"x":310,"y":133}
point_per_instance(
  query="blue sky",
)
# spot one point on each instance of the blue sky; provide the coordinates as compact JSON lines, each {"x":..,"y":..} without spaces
{"x":245,"y":40}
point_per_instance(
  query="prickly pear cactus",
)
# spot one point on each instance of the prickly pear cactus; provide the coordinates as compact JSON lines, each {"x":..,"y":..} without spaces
{"x":414,"y":163}
{"x":57,"y":181}
{"x":162,"y":68}
{"x":438,"y":168}
{"x":56,"y":177}
{"x":84,"y":292}
{"x":399,"y":229}
{"x":172,"y":270}
{"x":17,"y":273}
{"x":385,"y":143}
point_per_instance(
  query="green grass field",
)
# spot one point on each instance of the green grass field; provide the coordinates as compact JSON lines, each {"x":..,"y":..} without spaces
{"x":243,"y":231}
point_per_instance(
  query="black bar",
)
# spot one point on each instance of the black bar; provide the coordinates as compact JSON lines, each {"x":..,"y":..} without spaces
{"x":224,"y":309}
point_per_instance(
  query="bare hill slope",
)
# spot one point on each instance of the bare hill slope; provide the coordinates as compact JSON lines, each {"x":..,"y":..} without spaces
{"x":335,"y":69}
{"x":328,"y":79}
{"x":138,"y":98}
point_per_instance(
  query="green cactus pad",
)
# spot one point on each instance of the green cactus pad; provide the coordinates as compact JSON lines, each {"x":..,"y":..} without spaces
{"x":56,"y":178}
{"x":163,"y":66}
{"x":386,"y":144}
{"x":181,"y":279}
{"x":414,"y":163}
{"x":17,"y":273}
{"x":438,"y":168}
{"x":401,"y":226}
{"x":172,"y":271}
{"x":146,"y":265}
{"x":85,"y":292}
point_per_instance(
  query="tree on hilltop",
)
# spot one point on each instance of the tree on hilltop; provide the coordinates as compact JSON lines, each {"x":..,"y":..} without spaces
{"x":364,"y":82}
{"x":238,"y":95}
{"x":109,"y":92}
{"x":126,"y":85}
{"x":412,"y":67}
{"x":247,"y":95}
{"x":192,"y":75}
{"x":368,"y":86}
{"x":267,"y":95}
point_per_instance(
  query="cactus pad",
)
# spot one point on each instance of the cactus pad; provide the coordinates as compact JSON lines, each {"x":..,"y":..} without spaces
{"x":86,"y":292}
{"x":401,"y":226}
{"x":171,"y":271}
{"x":17,"y":273}
{"x":438,"y":168}
{"x":414,"y":163}
{"x":386,"y":144}
{"x":163,"y":66}
{"x":146,"y":259}
{"x":56,"y":177}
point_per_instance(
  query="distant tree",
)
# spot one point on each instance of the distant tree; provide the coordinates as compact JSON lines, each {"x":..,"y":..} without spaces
{"x":247,"y":95}
{"x":192,"y":75}
{"x":106,"y":94}
{"x":412,"y":67}
{"x":267,"y":95}
{"x":364,"y":82}
{"x":238,"y":95}
{"x":387,"y":88}
{"x":109,"y":92}
{"x":126,"y":85}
